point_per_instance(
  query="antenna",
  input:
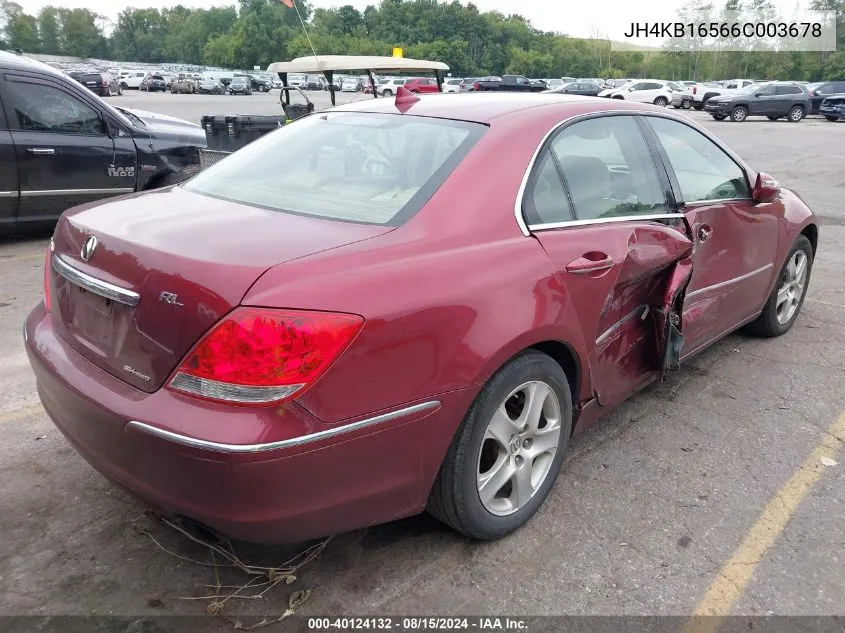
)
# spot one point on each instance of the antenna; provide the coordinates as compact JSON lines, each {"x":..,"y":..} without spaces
{"x":292,"y":3}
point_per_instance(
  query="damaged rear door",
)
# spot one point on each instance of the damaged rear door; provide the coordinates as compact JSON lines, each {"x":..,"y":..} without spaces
{"x":599,"y":206}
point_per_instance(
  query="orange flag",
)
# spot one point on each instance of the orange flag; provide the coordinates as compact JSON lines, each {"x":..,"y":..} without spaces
{"x":288,"y":3}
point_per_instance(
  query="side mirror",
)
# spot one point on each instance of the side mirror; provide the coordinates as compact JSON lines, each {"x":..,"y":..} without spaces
{"x":766,"y":188}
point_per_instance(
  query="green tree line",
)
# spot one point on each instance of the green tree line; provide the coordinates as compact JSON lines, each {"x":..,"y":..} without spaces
{"x":473,"y":43}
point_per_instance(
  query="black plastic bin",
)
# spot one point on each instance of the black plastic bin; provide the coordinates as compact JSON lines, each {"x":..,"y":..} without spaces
{"x":228,"y":133}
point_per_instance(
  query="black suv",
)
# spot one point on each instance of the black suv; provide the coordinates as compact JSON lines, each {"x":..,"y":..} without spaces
{"x":240,"y":85}
{"x":102,"y":84}
{"x":61,"y":145}
{"x":820,"y":91}
{"x":773,"y":100}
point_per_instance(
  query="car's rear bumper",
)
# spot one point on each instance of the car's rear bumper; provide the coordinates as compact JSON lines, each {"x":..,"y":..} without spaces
{"x":277,"y":475}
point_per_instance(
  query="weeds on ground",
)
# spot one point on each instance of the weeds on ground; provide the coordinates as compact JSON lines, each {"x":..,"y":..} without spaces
{"x":259,"y":583}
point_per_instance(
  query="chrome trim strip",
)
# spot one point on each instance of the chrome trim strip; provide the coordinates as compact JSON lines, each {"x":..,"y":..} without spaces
{"x":625,"y":218}
{"x":722,"y":284}
{"x":636,"y":312}
{"x":271,"y":446}
{"x":704,"y":203}
{"x":9,"y":194}
{"x":74,"y":192}
{"x":97,"y":286}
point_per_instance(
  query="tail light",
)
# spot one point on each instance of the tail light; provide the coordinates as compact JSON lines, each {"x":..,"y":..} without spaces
{"x":694,"y":89}
{"x":258,"y":356}
{"x":476,"y":86}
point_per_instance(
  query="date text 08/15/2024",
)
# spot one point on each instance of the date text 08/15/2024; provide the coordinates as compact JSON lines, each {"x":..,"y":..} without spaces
{"x":418,"y":623}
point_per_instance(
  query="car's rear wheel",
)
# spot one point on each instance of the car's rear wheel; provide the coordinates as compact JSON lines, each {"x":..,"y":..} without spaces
{"x":739,"y":114}
{"x":387,"y":93}
{"x":831,"y":118}
{"x":506,"y":455}
{"x":618,"y":97}
{"x":786,"y":299}
{"x":720,"y":117}
{"x":795,"y":114}
{"x":661,"y":101}
{"x":686,"y":104}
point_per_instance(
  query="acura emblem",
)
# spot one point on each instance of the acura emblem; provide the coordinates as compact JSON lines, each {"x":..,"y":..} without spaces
{"x":88,"y":248}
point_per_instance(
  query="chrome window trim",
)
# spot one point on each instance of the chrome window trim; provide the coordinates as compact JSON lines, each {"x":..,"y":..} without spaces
{"x":517,"y":207}
{"x":218,"y":447}
{"x":623,"y":218}
{"x":728,"y":282}
{"x":703,"y":203}
{"x":32,"y":193}
{"x":9,"y":194}
{"x":92,"y":284}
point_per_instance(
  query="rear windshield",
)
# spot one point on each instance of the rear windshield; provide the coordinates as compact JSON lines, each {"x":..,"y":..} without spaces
{"x":91,"y":77}
{"x":356,"y":167}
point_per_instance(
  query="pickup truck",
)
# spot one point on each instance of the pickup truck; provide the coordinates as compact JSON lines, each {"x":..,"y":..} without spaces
{"x":701,"y":94}
{"x":511,"y":83}
{"x":63,"y":145}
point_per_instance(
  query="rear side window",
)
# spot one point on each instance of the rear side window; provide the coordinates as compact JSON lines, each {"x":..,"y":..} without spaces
{"x":608,"y":169}
{"x":545,"y":200}
{"x":357,"y":167}
{"x":703,"y":170}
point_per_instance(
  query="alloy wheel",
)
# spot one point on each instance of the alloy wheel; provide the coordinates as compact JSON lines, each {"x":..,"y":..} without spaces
{"x":519,"y":448}
{"x":793,"y":284}
{"x":739,"y":114}
{"x":796,"y":114}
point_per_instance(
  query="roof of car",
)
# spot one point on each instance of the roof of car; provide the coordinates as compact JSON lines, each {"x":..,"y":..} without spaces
{"x":13,"y":60}
{"x":484,"y":107}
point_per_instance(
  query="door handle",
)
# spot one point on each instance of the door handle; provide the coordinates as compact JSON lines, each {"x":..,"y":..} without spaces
{"x":40,"y":151}
{"x":704,"y":232}
{"x":590,"y":263}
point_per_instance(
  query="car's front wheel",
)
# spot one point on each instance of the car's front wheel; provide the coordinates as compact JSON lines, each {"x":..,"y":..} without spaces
{"x":506,"y":455}
{"x":739,"y":114}
{"x":831,"y":118}
{"x":786,"y":299}
{"x":795,"y":114}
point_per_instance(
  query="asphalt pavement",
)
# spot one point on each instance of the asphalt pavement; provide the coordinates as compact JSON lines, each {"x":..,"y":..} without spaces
{"x":719,"y":491}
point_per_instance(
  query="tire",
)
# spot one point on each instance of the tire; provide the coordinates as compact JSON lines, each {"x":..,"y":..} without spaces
{"x":686,"y":104}
{"x":719,"y":117}
{"x":772,"y":118}
{"x":619,"y":97}
{"x":175,"y":177}
{"x":124,"y":86}
{"x":739,"y":114}
{"x":387,"y":93}
{"x":831,"y":118}
{"x":661,"y":101}
{"x":796,"y":113}
{"x":768,"y":324}
{"x":120,"y":91}
{"x":455,"y":498}
{"x":697,"y":106}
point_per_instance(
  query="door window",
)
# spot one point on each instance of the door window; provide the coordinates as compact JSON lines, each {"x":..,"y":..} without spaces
{"x":34,"y":107}
{"x":788,"y":90}
{"x":766,"y":91}
{"x":545,"y":200}
{"x":703,"y":170}
{"x":608,"y":169}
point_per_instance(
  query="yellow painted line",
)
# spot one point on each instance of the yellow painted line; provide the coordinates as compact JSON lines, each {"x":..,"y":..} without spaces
{"x":18,"y":414}
{"x":738,"y":570}
{"x":20,"y":257}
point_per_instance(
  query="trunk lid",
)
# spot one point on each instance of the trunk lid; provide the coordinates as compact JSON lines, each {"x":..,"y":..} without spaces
{"x":188,"y":258}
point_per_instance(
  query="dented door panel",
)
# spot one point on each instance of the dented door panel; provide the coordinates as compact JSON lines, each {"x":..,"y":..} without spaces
{"x":617,"y":303}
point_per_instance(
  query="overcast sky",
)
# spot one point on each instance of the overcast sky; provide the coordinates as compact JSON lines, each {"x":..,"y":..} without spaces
{"x":610,"y":18}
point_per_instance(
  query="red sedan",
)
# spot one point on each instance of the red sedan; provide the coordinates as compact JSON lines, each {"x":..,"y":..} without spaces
{"x":401,"y":305}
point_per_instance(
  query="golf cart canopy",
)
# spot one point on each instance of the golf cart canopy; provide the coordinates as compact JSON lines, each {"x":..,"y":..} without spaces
{"x":329,"y":64}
